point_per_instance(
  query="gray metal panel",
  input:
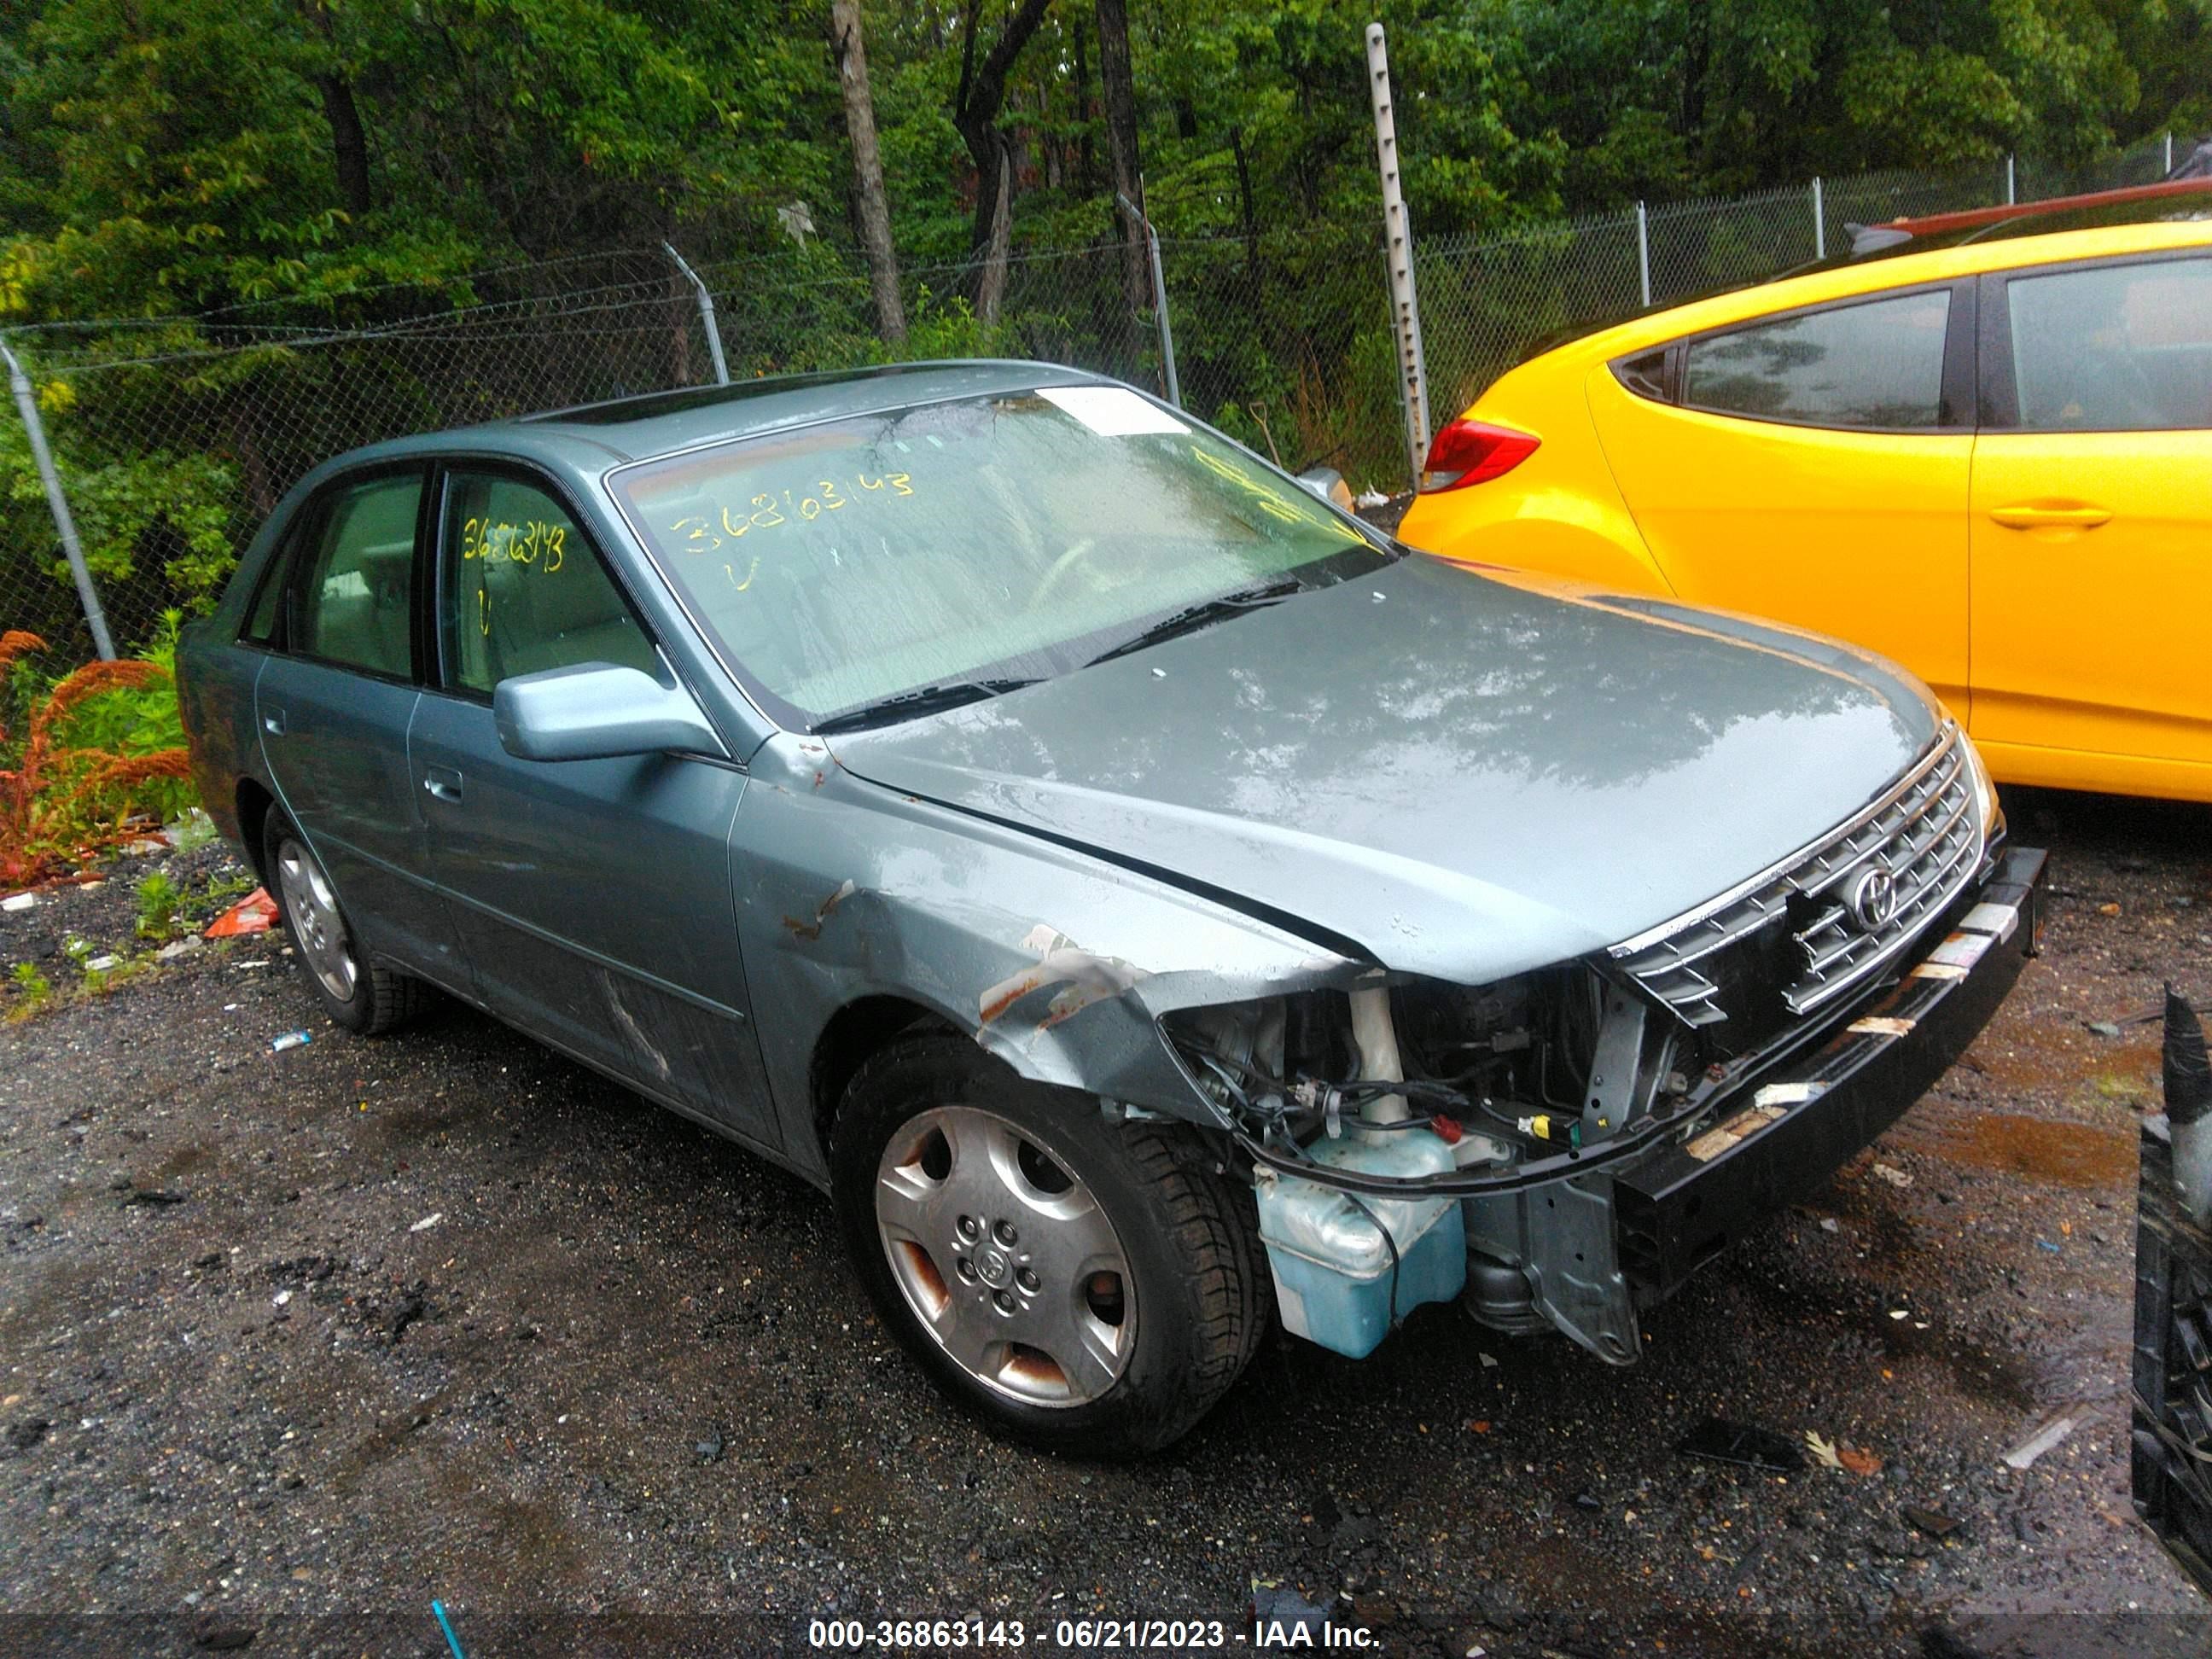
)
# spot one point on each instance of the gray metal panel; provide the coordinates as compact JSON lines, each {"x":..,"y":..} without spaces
{"x":1468,"y":776}
{"x":339,"y":762}
{"x":592,"y":900}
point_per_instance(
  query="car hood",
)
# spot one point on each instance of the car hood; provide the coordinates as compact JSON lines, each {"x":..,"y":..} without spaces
{"x":1450,"y":771}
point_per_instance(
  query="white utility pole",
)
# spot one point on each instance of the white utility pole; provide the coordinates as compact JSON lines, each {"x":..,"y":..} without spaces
{"x":1398,"y":253}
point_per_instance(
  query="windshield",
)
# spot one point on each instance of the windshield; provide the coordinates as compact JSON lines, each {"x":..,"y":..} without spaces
{"x":1001,"y":538}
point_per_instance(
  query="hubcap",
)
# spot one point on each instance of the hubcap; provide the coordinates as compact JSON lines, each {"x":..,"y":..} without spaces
{"x":1005,"y":1257}
{"x":312,"y":910}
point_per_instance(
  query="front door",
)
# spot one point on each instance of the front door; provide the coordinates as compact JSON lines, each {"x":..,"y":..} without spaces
{"x":594,"y":898}
{"x":2091,"y":524}
{"x":333,"y":702}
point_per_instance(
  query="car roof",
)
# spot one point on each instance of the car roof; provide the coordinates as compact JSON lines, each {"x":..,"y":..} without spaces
{"x":2044,"y":243}
{"x":597,"y":435}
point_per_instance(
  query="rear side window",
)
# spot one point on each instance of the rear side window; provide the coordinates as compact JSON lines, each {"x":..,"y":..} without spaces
{"x":352,"y":600}
{"x":2114,"y":348}
{"x":524,"y":590}
{"x":269,"y":598}
{"x":1876,"y":364}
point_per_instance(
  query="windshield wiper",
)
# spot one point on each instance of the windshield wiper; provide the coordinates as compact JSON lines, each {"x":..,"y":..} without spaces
{"x":1205,"y":614}
{"x":922,"y":700}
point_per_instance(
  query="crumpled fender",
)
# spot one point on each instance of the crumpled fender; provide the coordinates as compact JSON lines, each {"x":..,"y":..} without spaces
{"x":1059,"y":963}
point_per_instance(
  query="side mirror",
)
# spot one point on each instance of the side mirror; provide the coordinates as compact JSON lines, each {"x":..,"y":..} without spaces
{"x":596,"y":712}
{"x":1328,"y":484}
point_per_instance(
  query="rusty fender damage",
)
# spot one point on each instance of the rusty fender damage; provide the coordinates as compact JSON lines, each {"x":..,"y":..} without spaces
{"x":1059,"y":963}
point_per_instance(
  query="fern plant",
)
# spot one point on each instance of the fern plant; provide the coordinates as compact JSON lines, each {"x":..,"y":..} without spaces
{"x":62,"y":802}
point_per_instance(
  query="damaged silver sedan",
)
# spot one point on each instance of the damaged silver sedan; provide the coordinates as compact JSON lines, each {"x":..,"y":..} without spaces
{"x":1149,"y":901}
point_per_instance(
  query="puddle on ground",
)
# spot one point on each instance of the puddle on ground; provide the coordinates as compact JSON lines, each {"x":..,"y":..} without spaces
{"x":2054,"y":1058}
{"x":2069,"y":1154}
{"x":187,"y":1161}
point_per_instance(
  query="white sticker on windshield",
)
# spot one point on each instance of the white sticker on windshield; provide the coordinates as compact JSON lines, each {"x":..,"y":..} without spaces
{"x":1111,"y":411}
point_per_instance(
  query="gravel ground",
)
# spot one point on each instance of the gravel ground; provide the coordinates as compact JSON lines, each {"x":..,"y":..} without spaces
{"x":295,"y":1342}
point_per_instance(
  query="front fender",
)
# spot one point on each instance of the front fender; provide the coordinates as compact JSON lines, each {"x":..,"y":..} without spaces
{"x":1059,"y":963}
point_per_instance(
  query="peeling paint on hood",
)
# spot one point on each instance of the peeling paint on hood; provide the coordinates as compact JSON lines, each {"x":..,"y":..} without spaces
{"x":1465,"y":776}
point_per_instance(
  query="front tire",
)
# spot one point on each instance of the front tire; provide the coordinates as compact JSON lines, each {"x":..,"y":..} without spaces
{"x":1082,"y":1285}
{"x":356,"y":991}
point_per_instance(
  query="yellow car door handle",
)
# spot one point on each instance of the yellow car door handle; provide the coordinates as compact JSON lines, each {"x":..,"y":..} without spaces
{"x":2038,"y":515}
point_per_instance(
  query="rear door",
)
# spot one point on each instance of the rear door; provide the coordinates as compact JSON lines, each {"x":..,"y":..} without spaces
{"x":2092,"y":519}
{"x":333,"y":701}
{"x":1812,"y":466}
{"x":593,"y":898}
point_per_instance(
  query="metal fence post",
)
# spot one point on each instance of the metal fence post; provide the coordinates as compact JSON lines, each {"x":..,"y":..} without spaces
{"x":1398,"y":253}
{"x":2012,"y":193}
{"x":27,"y":403}
{"x":2169,"y":155}
{"x":1644,"y":253}
{"x":1159,"y":299}
{"x":1819,"y":223}
{"x":706,"y":315}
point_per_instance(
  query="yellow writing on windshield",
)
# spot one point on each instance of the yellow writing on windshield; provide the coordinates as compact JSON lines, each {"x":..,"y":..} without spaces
{"x":1269,"y":501}
{"x":521,"y":544}
{"x":710,"y":532}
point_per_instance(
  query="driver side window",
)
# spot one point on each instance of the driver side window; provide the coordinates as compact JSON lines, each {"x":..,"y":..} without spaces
{"x":522,"y":590}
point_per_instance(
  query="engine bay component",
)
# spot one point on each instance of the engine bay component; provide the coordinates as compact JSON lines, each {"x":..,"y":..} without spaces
{"x":1347,"y":1268}
{"x":1377,"y":1038}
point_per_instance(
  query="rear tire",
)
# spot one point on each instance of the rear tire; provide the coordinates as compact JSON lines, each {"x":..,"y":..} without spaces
{"x":356,"y":991}
{"x":1082,"y":1285}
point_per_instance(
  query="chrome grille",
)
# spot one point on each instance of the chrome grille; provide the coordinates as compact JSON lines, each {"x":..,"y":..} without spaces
{"x":1923,"y":832}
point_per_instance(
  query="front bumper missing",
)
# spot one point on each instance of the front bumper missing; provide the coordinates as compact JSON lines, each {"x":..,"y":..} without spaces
{"x":1789,"y":1129}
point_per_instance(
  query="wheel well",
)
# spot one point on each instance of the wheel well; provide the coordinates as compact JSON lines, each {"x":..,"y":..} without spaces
{"x":855,"y":1033}
{"x":253,"y":805}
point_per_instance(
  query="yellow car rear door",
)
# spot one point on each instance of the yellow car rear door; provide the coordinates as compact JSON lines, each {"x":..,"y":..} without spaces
{"x":2092,"y":524}
{"x":1813,"y":466}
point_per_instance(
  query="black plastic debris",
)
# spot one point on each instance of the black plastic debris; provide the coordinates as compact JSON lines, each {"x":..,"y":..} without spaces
{"x":2186,"y":1068}
{"x":2170,"y":1436}
{"x":1934,"y":1523}
{"x":1716,"y":1442}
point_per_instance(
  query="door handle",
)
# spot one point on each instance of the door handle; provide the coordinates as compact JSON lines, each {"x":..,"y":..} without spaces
{"x":442,"y":781}
{"x":2043,"y":515}
{"x":272,"y":722}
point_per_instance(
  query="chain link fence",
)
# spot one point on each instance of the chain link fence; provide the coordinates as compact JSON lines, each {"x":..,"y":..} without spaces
{"x":175,"y":437}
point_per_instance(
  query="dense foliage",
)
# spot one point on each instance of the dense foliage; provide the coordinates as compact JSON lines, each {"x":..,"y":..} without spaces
{"x":168,"y":155}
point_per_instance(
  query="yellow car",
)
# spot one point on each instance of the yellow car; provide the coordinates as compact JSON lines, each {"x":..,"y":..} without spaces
{"x":1982,"y":445}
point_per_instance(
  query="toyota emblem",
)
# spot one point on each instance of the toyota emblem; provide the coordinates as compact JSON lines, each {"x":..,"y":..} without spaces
{"x":1873,"y":900}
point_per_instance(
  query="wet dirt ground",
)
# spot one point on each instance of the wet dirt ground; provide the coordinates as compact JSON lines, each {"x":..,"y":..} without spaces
{"x":295,"y":1342}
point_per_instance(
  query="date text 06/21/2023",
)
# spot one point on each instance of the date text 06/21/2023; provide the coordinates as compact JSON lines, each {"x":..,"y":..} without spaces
{"x":1082,"y":1635}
